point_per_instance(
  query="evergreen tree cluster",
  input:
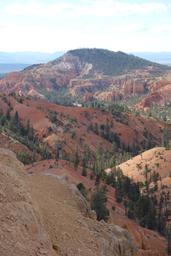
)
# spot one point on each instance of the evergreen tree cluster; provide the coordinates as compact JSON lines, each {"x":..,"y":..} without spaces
{"x":23,"y":133}
{"x":144,"y":203}
{"x":105,"y":131}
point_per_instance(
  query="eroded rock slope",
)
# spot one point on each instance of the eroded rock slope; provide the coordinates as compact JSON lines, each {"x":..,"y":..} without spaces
{"x":41,"y":215}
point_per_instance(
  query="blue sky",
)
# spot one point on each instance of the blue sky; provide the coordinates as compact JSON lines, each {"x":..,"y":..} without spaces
{"x":57,"y":25}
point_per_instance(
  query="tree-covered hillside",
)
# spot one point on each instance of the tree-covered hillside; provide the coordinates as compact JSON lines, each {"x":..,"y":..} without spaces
{"x":111,"y":63}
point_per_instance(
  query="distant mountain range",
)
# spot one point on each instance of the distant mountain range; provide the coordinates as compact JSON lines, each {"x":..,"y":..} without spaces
{"x":16,"y":61}
{"x":159,"y":57}
{"x":28,"y":57}
{"x":9,"y":67}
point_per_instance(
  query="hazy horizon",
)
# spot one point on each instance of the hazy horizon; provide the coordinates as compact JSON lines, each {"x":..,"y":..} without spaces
{"x":64,"y":51}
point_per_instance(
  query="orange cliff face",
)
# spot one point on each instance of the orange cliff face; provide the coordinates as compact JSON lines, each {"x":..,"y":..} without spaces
{"x":32,"y":82}
{"x":134,"y":87}
{"x":159,"y":94}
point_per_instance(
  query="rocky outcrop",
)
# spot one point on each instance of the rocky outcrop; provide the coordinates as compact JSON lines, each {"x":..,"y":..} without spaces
{"x":159,"y":94}
{"x":110,"y":96}
{"x":67,"y":220}
{"x":79,"y":87}
{"x":134,"y":87}
{"x":21,"y":232}
{"x":122,"y":88}
{"x":158,"y":85}
{"x":46,"y":220}
{"x":151,"y":100}
{"x":148,"y":242}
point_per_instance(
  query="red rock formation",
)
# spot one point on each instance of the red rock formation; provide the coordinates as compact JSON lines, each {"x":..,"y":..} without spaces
{"x":160,"y":95}
{"x":79,"y":77}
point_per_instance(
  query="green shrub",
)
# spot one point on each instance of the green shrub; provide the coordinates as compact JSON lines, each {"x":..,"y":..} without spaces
{"x":24,"y":158}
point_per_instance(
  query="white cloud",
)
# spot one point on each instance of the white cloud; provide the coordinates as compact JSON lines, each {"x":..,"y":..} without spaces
{"x":2,"y":27}
{"x":84,"y":7}
{"x":127,"y":28}
{"x":15,"y":38}
{"x":37,"y":8}
{"x":162,"y":28}
{"x":29,"y":26}
{"x":45,"y":39}
{"x":110,"y":7}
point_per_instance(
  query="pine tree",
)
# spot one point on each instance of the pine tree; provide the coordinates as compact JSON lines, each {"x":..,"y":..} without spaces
{"x":84,"y":171}
{"x":8,"y":116}
{"x":98,"y":204}
{"x":166,"y":138}
{"x":76,"y":159}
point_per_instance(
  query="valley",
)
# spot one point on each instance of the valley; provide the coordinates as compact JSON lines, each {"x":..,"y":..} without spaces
{"x":91,"y":133}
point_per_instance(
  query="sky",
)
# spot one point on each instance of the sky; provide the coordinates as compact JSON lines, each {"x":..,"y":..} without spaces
{"x":61,"y":25}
